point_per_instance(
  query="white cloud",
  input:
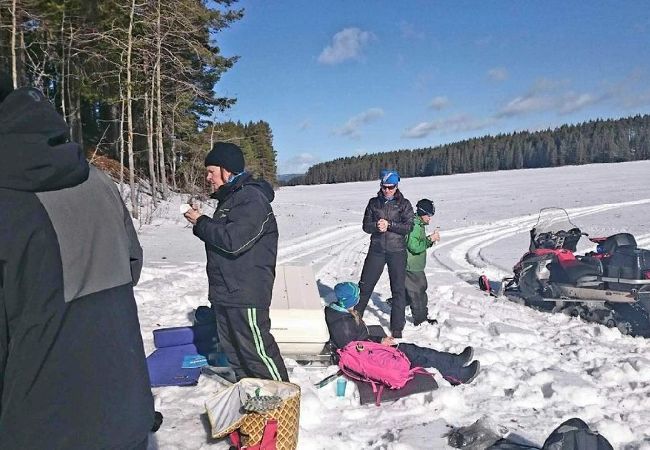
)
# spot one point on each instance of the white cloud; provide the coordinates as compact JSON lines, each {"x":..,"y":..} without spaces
{"x":299,"y":163}
{"x":498,"y":74}
{"x":439,"y":103}
{"x":549,"y":95}
{"x":526,"y":104}
{"x":347,"y":44}
{"x":572,"y":102}
{"x":353,"y":126}
{"x":453,"y":124}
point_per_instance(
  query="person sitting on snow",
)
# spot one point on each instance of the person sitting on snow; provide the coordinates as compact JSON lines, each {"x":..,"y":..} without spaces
{"x":345,"y":325}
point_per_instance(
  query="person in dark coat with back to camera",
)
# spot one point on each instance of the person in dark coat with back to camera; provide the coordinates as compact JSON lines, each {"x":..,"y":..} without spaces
{"x":388,"y":219}
{"x":241,"y":242}
{"x":72,"y":366}
{"x":345,"y":325}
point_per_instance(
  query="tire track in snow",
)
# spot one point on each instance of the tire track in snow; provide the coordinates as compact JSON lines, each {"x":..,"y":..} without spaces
{"x":328,"y":250}
{"x":315,"y":242}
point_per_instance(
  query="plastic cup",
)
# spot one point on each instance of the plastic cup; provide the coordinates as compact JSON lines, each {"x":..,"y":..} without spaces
{"x":341,"y":384}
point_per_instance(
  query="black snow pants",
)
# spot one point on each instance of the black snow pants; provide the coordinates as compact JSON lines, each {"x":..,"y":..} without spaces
{"x":446,"y":363}
{"x":416,"y":296}
{"x":372,"y":269}
{"x":246,"y":339}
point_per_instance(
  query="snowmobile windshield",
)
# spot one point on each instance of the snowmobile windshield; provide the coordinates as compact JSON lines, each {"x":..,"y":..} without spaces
{"x":554,"y":230}
{"x":553,"y":219}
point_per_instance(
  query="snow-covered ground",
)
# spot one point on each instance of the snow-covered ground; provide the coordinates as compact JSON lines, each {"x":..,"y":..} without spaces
{"x":538,"y":369}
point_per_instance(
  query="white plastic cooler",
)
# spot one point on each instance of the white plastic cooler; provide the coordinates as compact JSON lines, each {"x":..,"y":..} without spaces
{"x":297,"y":317}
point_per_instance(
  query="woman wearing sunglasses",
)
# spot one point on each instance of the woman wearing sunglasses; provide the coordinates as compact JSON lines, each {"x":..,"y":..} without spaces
{"x":388,"y":219}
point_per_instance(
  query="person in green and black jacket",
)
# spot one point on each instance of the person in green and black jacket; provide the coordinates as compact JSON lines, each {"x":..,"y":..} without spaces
{"x":417,"y":244}
{"x":241,"y":243}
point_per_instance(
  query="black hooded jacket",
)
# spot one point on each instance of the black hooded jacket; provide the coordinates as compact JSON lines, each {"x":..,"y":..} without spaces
{"x":399,"y":214}
{"x":72,"y":367}
{"x":343,"y":328}
{"x":241,"y":242}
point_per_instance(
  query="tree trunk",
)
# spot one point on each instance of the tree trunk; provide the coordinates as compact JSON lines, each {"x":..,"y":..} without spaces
{"x":174,"y":149}
{"x":129,"y":112}
{"x":159,"y":127}
{"x":121,"y":138}
{"x":14,"y":66}
{"x":63,"y":71}
{"x":148,"y":107}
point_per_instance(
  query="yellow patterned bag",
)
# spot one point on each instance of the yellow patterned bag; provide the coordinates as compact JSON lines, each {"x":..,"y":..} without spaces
{"x":227,"y":414}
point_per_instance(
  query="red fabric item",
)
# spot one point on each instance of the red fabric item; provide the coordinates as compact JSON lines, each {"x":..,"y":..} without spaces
{"x":268,"y":442}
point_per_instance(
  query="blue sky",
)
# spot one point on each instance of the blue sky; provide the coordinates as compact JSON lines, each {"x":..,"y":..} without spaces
{"x":342,"y":78}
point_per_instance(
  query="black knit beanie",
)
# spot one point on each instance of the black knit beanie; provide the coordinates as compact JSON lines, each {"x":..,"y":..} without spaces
{"x":425,"y":207}
{"x":226,"y":155}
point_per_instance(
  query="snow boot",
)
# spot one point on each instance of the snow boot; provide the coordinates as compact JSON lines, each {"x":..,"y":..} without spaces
{"x":465,"y":356}
{"x":463,"y":375}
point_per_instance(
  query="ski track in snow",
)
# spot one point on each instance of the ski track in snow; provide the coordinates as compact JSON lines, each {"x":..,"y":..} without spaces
{"x":538,"y":369}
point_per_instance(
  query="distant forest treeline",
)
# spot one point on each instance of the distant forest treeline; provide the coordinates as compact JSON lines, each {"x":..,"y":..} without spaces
{"x":596,"y":141}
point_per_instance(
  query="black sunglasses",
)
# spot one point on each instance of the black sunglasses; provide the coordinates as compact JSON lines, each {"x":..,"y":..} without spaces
{"x":389,"y":188}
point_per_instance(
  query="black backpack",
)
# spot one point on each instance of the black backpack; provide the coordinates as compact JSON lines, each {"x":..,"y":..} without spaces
{"x":574,"y":434}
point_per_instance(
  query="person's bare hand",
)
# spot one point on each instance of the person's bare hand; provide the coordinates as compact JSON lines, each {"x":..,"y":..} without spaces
{"x":192,"y":215}
{"x":382,"y":225}
{"x":435,"y":236}
{"x":388,"y":341}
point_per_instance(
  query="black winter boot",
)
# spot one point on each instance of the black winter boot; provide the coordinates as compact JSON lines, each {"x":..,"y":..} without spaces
{"x":462,"y":375}
{"x":465,"y":356}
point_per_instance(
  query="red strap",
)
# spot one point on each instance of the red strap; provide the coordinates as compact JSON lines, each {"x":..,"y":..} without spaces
{"x":378,"y":395}
{"x":235,"y":439}
{"x":269,"y":438}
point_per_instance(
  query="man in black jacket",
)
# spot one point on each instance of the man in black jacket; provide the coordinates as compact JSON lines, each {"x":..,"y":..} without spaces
{"x":388,"y":219}
{"x":241,"y":242}
{"x":72,"y":367}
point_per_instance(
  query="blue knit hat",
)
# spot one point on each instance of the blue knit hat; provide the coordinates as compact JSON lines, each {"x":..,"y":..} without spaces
{"x":347,"y":294}
{"x":389,"y":176}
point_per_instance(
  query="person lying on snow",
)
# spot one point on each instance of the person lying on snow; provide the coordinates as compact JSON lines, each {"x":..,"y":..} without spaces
{"x":345,"y":325}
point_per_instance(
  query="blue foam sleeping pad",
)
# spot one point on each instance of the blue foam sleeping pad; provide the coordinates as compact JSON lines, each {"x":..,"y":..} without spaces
{"x":170,"y":337}
{"x":165,"y":366}
{"x":173,"y":344}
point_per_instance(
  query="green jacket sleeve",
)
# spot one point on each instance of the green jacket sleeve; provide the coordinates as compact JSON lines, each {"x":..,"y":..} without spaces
{"x":417,"y":241}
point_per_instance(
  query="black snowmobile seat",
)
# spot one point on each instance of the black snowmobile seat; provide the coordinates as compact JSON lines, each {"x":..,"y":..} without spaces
{"x":618,"y":240}
{"x":572,"y":273}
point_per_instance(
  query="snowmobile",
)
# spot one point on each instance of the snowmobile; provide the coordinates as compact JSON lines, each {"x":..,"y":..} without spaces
{"x":608,"y":285}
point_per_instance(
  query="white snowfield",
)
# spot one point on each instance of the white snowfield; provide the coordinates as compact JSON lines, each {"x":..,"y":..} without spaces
{"x":538,"y":369}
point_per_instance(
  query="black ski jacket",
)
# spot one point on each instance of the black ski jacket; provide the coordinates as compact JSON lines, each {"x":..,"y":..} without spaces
{"x":343,"y":328}
{"x":241,"y":242}
{"x":399,"y":214}
{"x":72,"y":368}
